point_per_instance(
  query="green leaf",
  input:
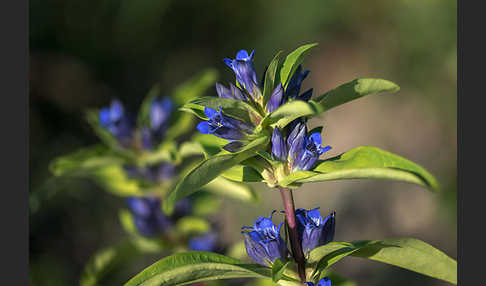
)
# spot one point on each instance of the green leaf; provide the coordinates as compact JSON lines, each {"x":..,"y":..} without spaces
{"x":367,"y":162}
{"x":196,"y":266}
{"x":202,"y":174}
{"x":192,"y":224}
{"x":114,"y":179}
{"x":354,"y":90}
{"x":278,"y":269}
{"x":292,"y":61}
{"x":234,"y":190}
{"x":271,"y":78}
{"x":240,"y":173}
{"x":84,"y":160}
{"x":289,"y":112}
{"x":408,"y":253}
{"x":231,"y":107}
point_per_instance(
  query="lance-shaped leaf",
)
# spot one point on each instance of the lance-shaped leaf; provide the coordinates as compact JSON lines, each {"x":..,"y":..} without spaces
{"x":271,"y":78}
{"x":291,"y":111}
{"x":195,"y":87}
{"x":408,"y":253}
{"x":354,"y":90}
{"x":84,"y":160}
{"x":196,"y":266}
{"x":240,"y":173}
{"x":292,"y":61}
{"x":209,"y":169}
{"x":366,"y":162}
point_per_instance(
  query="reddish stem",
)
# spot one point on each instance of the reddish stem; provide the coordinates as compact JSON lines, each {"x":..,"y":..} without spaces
{"x":295,"y":244}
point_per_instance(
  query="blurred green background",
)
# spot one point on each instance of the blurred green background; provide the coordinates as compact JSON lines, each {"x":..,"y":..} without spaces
{"x":84,"y":53}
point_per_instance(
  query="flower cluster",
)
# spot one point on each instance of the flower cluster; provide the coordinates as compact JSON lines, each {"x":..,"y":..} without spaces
{"x":121,"y":125}
{"x":300,"y":150}
{"x":148,"y":217}
{"x":248,"y":89}
{"x":264,"y":243}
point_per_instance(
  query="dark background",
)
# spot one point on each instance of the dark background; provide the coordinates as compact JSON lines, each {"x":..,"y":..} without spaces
{"x":83,"y":53}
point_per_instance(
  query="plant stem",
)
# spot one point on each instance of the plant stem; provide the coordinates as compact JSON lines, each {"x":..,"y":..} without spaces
{"x":295,"y":244}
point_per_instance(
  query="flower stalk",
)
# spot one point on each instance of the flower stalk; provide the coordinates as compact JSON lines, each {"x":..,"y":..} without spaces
{"x":295,"y":244}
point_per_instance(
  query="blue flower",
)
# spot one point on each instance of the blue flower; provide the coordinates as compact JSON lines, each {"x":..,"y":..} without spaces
{"x":160,"y":112}
{"x":205,"y":242}
{"x":263,"y":242}
{"x":233,"y":92}
{"x":323,"y":282}
{"x":117,"y":122}
{"x":312,"y":149}
{"x":314,"y":231}
{"x":279,"y":146}
{"x":244,"y":70}
{"x":224,"y":126}
{"x":293,"y":88}
{"x":148,"y":216}
{"x":296,"y":142}
{"x":276,"y":99}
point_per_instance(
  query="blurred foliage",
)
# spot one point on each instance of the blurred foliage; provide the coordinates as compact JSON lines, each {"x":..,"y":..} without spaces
{"x":83,"y":53}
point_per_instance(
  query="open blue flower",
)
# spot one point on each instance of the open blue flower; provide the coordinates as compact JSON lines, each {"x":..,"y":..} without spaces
{"x":204,"y":242}
{"x":224,"y":126}
{"x":313,"y":230}
{"x":263,"y":242}
{"x":244,"y":70}
{"x":312,"y":149}
{"x":323,"y":282}
{"x":117,"y":122}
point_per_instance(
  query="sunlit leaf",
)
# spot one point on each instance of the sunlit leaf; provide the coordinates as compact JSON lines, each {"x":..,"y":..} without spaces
{"x":408,"y":253}
{"x":271,"y":78}
{"x":196,"y":266}
{"x":354,"y":90}
{"x":292,"y":61}
{"x":367,"y":162}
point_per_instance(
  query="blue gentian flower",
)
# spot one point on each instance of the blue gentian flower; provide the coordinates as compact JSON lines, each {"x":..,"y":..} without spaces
{"x":148,"y":216}
{"x":263,"y":242}
{"x":244,"y":70}
{"x":279,"y":146}
{"x":117,"y":122}
{"x":296,"y":141}
{"x":276,"y":99}
{"x":205,"y":242}
{"x":224,"y":126}
{"x":323,"y":282}
{"x":313,"y":230}
{"x":160,"y":112}
{"x":233,"y":92}
{"x":293,"y":88}
{"x":312,"y":149}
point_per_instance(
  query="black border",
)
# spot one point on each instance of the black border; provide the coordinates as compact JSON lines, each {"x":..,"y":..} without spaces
{"x":15,"y":160}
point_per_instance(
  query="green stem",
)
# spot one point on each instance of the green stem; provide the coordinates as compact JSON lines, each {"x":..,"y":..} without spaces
{"x":295,"y":244}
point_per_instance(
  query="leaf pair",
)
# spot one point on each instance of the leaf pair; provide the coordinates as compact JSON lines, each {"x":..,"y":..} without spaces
{"x":195,"y":266}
